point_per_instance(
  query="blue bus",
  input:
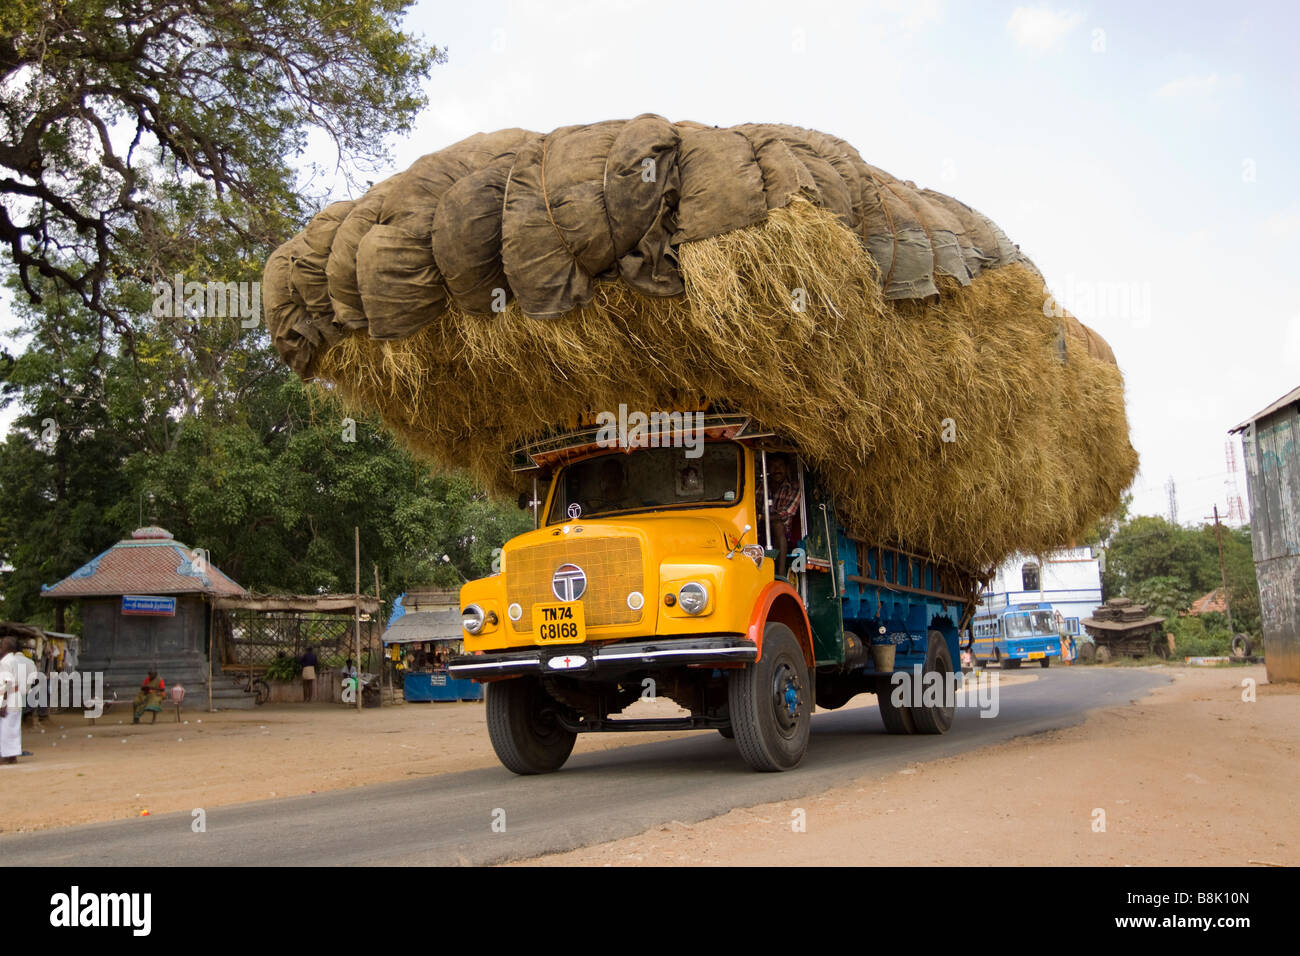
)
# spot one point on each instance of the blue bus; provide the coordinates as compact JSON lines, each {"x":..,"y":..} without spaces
{"x":1016,"y":633}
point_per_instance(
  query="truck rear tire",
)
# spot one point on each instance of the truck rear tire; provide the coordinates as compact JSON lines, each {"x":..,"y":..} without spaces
{"x":936,"y":720}
{"x":897,"y":720}
{"x":771,"y":703}
{"x":523,"y":727}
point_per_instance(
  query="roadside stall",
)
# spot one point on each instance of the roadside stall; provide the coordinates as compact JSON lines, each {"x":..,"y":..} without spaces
{"x":261,"y":639}
{"x":423,"y":634}
{"x":51,"y":653}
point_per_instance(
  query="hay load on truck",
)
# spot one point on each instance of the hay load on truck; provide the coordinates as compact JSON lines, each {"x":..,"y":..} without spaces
{"x":777,"y":414}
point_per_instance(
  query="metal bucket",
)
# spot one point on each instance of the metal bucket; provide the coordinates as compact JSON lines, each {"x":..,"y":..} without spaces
{"x":882,"y":657}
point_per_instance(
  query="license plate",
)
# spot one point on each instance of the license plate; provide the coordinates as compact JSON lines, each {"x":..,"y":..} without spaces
{"x":559,"y":623}
{"x":1037,"y":655}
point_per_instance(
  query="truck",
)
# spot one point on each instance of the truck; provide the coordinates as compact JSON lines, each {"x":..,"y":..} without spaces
{"x":712,"y":572}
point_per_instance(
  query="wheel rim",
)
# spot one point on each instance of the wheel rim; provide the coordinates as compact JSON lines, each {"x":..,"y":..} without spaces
{"x":787,"y":698}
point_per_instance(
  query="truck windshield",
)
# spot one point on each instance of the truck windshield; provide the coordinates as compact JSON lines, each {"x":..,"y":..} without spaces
{"x":647,"y":479}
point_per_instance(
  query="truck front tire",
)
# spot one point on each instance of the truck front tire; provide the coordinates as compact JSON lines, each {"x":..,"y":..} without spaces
{"x":525,"y":731}
{"x":771,"y":703}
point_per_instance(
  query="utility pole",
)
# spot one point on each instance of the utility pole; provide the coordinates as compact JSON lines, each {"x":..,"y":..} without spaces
{"x":1223,"y":574}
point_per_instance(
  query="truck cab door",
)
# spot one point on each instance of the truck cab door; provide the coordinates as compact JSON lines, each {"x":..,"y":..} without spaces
{"x":821,"y":581}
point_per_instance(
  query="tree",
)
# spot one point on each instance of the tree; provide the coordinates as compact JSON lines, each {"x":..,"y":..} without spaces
{"x":1163,"y":596}
{"x":201,"y":429}
{"x":1168,"y":566}
{"x":276,"y":508}
{"x":1148,"y":547}
{"x":106,"y":105}
{"x":59,"y":466}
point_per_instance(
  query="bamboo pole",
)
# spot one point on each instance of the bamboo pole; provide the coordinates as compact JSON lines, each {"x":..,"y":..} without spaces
{"x":356,"y":614}
{"x":212,"y":646}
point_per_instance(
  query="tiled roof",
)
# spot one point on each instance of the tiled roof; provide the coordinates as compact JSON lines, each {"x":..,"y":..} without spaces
{"x":1209,"y":602}
{"x":419,"y":626}
{"x":149,"y":562}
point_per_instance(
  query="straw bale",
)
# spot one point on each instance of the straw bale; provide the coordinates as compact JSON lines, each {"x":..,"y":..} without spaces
{"x":865,"y":387}
{"x":515,"y":282}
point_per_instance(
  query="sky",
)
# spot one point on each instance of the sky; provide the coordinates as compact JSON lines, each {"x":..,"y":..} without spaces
{"x":1145,"y":156}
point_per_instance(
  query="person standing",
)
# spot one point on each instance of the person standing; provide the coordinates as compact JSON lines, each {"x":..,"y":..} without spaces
{"x":309,"y":663}
{"x":11,"y":701}
{"x":25,"y":671}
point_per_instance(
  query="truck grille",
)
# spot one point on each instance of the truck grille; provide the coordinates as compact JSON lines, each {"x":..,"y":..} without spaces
{"x":613,"y":567}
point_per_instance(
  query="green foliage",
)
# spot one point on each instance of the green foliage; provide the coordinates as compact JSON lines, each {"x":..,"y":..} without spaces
{"x":1162,"y":595}
{"x":214,"y":439}
{"x":1169,"y":566}
{"x":283,"y":668}
{"x":1195,"y":637}
{"x":190,"y":420}
{"x":55,"y":488}
{"x":112,"y":114}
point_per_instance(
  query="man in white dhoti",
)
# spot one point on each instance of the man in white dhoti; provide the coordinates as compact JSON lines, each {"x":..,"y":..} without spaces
{"x":12,"y":681}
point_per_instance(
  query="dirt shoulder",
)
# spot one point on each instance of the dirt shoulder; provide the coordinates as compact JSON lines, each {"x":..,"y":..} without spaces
{"x":1190,"y":775}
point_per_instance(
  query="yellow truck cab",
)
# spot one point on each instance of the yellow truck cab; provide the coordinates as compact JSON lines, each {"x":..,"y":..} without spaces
{"x":652,"y":572}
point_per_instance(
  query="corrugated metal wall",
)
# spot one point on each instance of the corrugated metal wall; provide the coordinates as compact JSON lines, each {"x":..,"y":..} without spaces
{"x":1271,"y":448}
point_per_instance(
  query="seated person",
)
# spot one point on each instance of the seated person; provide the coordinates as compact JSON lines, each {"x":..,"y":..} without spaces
{"x":149,"y":697}
{"x":783,"y":490}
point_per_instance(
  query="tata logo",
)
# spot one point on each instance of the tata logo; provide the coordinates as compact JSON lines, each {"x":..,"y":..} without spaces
{"x":569,"y":582}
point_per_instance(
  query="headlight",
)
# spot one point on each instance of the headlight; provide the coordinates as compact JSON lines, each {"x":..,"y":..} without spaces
{"x":693,"y":597}
{"x":471,"y":619}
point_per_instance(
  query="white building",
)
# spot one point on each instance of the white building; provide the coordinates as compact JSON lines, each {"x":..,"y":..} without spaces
{"x":1069,"y":580}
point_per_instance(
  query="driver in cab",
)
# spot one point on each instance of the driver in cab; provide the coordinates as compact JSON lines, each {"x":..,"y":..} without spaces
{"x":784,"y":505}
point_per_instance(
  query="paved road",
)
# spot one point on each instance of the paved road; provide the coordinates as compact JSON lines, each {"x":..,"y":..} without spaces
{"x":447,"y":818}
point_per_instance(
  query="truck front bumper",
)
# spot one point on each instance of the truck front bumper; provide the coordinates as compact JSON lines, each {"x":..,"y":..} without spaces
{"x":603,"y":661}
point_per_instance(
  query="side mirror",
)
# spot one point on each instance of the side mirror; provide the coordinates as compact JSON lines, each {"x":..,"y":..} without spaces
{"x":524,"y":501}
